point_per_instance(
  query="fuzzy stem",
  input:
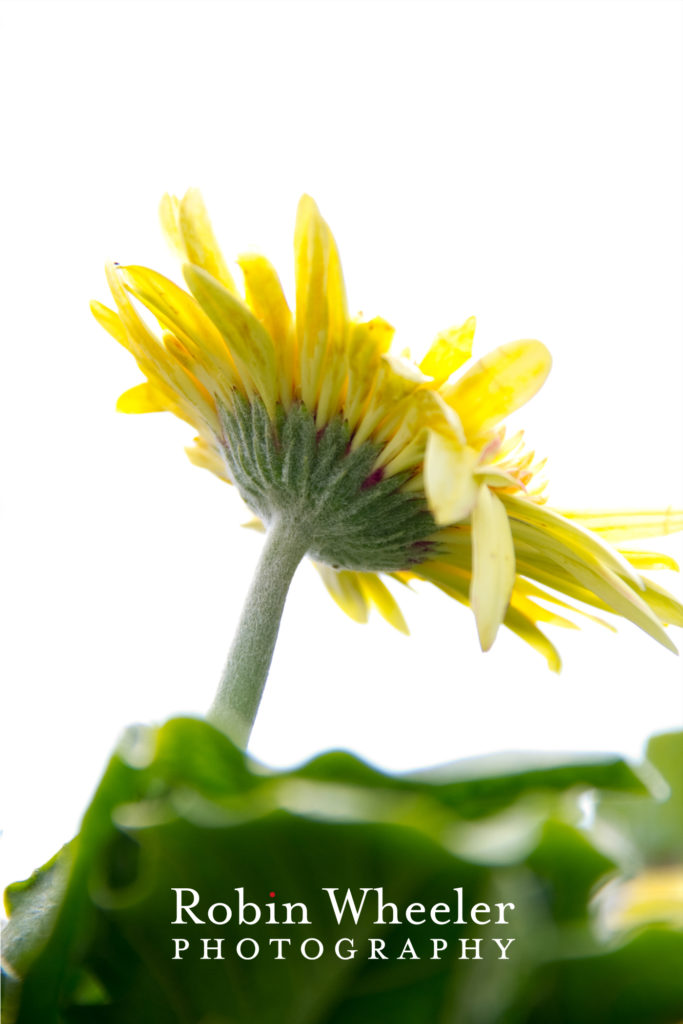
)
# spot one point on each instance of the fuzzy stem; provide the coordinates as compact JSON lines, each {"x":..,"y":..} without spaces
{"x":244,"y":676}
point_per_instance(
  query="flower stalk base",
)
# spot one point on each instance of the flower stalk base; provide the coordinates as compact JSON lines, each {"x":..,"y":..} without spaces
{"x":244,"y":677}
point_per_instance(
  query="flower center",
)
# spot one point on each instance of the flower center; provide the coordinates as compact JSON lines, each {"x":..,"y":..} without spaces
{"x":354,"y":517}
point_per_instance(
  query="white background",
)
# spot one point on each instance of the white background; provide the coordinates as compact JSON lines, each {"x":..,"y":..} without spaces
{"x":519,"y":161}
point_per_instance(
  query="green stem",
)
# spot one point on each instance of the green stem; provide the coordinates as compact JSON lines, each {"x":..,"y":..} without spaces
{"x":244,"y":676}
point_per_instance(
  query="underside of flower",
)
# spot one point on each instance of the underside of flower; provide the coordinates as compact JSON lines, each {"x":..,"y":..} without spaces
{"x":352,"y":515}
{"x":381,"y":465}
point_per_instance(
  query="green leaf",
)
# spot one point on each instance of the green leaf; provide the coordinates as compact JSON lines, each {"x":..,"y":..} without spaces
{"x":91,"y":935}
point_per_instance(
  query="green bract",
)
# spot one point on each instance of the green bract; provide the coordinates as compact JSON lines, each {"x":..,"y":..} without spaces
{"x":351,"y":516}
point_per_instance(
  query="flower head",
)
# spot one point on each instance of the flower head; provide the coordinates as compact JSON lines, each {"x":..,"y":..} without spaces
{"x":385,"y":466}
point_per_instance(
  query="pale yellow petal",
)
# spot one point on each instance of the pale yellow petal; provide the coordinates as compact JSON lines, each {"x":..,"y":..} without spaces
{"x":667,"y":607}
{"x":450,"y":487}
{"x":498,"y":384}
{"x":169,"y":209}
{"x":539,"y":548}
{"x":624,"y":602}
{"x":206,"y":457}
{"x":254,"y":524}
{"x":496,"y":477}
{"x":493,"y":565}
{"x":586,"y":544}
{"x":654,"y":895}
{"x":635,"y":525}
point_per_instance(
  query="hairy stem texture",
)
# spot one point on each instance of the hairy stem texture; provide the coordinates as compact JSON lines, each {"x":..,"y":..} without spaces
{"x":244,"y":677}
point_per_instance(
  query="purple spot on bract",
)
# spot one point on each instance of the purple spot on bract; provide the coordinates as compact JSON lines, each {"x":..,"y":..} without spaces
{"x":373,"y":479}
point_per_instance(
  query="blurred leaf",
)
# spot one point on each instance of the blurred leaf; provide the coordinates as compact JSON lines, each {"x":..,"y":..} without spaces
{"x":487,"y":784}
{"x":568,"y":867}
{"x":91,"y":934}
{"x":653,"y":828}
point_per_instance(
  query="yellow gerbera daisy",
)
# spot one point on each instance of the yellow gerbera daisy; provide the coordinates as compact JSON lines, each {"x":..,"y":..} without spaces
{"x":366,"y":461}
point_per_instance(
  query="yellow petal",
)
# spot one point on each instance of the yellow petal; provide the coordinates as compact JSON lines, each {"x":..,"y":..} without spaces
{"x":137,"y":338}
{"x":423,"y":410}
{"x":498,"y":384}
{"x":367,"y":344}
{"x":199,"y":240}
{"x":321,"y":318}
{"x":537,"y":613}
{"x":333,"y":372}
{"x":449,"y":350}
{"x":493,"y":565}
{"x":250,"y":344}
{"x":536,"y":565}
{"x":448,"y":576}
{"x":455,"y":582}
{"x":156,"y":363}
{"x":183,"y":315}
{"x":395,"y":382}
{"x":265,"y":297}
{"x":142,"y":398}
{"x":450,"y":486}
{"x":649,"y":560}
{"x":525,"y":587}
{"x":532,"y":635}
{"x":346,"y":590}
{"x":377,"y":594}
{"x":111,"y":322}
